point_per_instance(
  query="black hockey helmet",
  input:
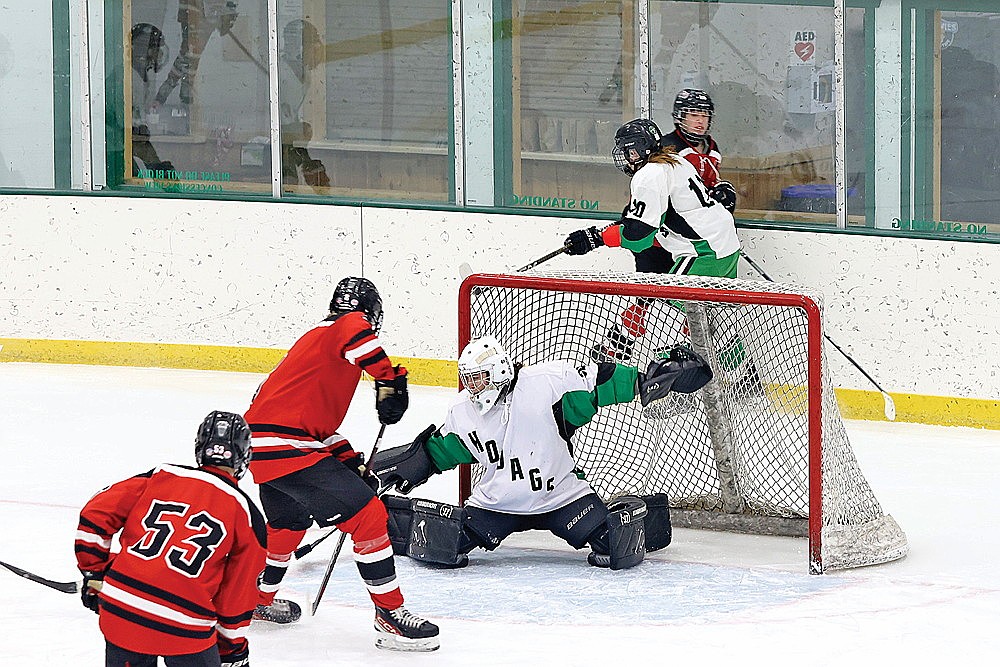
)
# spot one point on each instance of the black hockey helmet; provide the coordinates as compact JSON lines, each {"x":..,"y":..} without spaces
{"x":223,"y":440}
{"x":149,"y":49}
{"x":635,"y":141}
{"x":358,"y":294}
{"x":688,"y":100}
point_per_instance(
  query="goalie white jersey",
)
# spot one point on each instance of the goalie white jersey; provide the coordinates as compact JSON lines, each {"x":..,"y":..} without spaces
{"x":529,"y":469}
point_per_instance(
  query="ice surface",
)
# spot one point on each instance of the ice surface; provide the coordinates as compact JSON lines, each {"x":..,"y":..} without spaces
{"x":67,"y":431}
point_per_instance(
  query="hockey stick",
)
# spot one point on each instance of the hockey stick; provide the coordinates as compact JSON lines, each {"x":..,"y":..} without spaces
{"x":343,"y":536}
{"x":890,"y":406}
{"x":71,"y":587}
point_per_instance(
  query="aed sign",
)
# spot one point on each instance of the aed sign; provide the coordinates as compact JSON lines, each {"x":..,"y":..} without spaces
{"x":803,"y":47}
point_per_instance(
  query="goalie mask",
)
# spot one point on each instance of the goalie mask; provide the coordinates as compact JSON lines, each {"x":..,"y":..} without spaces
{"x":635,"y":141}
{"x":486,"y":372}
{"x":223,"y":440}
{"x":358,"y":294}
{"x":692,"y":100}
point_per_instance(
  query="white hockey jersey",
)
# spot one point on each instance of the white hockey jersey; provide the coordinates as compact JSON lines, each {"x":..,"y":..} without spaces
{"x":529,"y":469}
{"x":673,"y":199}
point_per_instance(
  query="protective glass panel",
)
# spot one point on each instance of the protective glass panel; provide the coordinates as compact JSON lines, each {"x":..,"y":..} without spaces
{"x":571,"y":86}
{"x":769,"y":70}
{"x":961,"y":124}
{"x":29,"y":122}
{"x":378,"y":103}
{"x":197,"y":112}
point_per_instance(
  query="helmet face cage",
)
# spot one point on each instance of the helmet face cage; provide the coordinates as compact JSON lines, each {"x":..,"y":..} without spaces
{"x":485,"y":371}
{"x":223,"y":440}
{"x":692,"y":100}
{"x":635,"y":141}
{"x":358,"y":294}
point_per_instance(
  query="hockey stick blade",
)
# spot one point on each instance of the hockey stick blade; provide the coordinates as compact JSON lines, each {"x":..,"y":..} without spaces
{"x":71,"y":587}
{"x":889,"y":407}
{"x":464,"y":270}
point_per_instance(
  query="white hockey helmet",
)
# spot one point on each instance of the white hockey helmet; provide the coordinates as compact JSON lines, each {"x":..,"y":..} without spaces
{"x":485,"y":371}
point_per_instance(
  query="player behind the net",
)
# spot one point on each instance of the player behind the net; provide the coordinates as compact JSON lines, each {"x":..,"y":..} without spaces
{"x":517,"y":422}
{"x":679,"y":217}
{"x":184,"y":584}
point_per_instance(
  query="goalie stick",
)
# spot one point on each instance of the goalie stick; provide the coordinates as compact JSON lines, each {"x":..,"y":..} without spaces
{"x":890,"y":406}
{"x":343,"y":536}
{"x":71,"y":587}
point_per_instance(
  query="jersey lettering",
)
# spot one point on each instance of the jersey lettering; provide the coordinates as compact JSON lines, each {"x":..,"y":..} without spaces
{"x":474,"y":439}
{"x":494,"y":454}
{"x":638,"y":208}
{"x":703,"y":197}
{"x":515,"y":470}
{"x":189,"y":559}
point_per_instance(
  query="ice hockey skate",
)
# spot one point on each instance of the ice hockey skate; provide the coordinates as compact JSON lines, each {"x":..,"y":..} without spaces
{"x":279,"y":611}
{"x":399,"y":630}
{"x":616,"y":347}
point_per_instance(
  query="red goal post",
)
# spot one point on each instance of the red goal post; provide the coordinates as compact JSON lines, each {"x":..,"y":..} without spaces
{"x":760,"y":449}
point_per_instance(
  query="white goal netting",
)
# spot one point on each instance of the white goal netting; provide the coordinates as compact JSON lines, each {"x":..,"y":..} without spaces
{"x":762,"y":448}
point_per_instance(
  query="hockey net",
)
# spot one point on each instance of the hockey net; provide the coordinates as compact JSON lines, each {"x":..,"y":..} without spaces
{"x":761,"y":449}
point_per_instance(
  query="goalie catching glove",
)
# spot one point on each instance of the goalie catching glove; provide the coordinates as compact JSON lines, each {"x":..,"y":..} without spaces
{"x":680,"y":370}
{"x":405,"y":467}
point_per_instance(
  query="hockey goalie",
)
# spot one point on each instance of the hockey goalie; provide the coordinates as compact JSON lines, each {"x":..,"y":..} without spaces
{"x":517,"y":423}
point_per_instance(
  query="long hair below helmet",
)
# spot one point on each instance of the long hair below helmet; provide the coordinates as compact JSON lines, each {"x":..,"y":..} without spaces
{"x":223,"y":440}
{"x":486,"y":372}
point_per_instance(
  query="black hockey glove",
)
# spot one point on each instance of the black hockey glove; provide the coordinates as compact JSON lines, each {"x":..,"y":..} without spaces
{"x":681,"y":371}
{"x":88,"y":592}
{"x":392,"y":398}
{"x":405,"y":467}
{"x":583,"y":241}
{"x":237,"y":659}
{"x":724,"y":193}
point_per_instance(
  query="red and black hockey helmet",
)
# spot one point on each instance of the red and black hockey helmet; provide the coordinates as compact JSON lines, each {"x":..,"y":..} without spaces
{"x":223,"y":440}
{"x":635,"y":141}
{"x":358,"y":294}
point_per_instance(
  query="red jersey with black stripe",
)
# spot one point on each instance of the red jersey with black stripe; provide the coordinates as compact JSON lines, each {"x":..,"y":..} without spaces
{"x":704,"y":157}
{"x":298,"y":408}
{"x":192,"y":547}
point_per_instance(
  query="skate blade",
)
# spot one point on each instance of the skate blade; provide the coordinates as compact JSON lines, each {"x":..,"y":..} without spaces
{"x":391,"y":642}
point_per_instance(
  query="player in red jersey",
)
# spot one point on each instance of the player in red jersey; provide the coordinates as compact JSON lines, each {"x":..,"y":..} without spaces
{"x":183,"y":585}
{"x":308,"y":472}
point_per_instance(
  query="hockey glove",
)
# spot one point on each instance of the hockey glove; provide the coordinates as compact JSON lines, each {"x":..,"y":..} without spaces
{"x":237,"y":659}
{"x":681,"y":370}
{"x":406,"y":467}
{"x":583,"y":241}
{"x":392,"y":397}
{"x":724,"y":193}
{"x":92,"y":582}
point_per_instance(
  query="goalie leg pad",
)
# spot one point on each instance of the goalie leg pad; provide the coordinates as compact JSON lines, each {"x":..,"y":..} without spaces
{"x":626,"y":532}
{"x":400,"y":518}
{"x":437,"y":533}
{"x":657,"y":521}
